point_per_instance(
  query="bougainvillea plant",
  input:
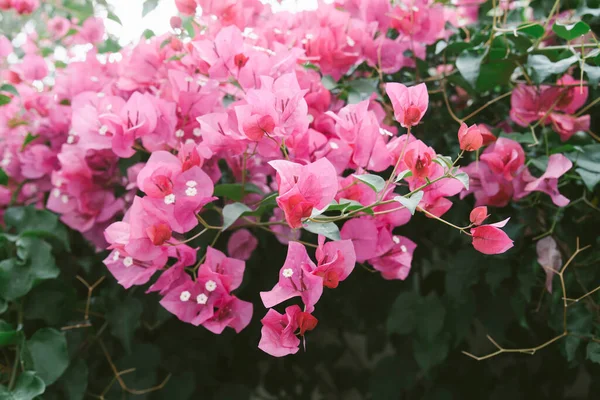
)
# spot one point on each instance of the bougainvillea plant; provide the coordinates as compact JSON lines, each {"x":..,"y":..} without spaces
{"x":233,"y":171}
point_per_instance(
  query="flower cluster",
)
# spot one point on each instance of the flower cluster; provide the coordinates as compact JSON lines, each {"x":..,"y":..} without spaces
{"x":135,"y":151}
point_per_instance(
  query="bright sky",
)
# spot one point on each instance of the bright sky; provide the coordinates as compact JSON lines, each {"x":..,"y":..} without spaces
{"x":130,"y":14}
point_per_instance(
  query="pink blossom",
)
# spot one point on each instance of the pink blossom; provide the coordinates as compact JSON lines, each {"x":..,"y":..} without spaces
{"x":335,"y":261}
{"x":295,"y":279}
{"x":558,"y":165}
{"x":231,"y":270}
{"x":410,"y":103}
{"x":278,"y":337}
{"x":490,"y":239}
{"x":567,"y":125}
{"x":505,"y":157}
{"x":58,"y":27}
{"x":363,"y":233}
{"x":395,"y":261}
{"x":548,"y":256}
{"x":470,"y":138}
{"x":304,"y":187}
{"x":229,"y":311}
{"x":478,"y":215}
{"x":241,"y":244}
{"x":5,"y":46}
{"x":187,"y":7}
{"x":33,"y":67}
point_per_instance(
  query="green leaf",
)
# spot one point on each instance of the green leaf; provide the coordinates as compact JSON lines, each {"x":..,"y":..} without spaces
{"x":376,"y":182}
{"x":15,"y":280}
{"x":444,"y":161}
{"x":525,"y":138}
{"x":9,"y":88}
{"x":8,"y":335}
{"x":231,"y":212}
{"x":463,"y":178}
{"x":328,"y":82}
{"x":570,"y":31}
{"x":149,"y":6}
{"x":593,"y":352}
{"x":81,"y":9}
{"x":233,"y":191}
{"x":593,"y":74}
{"x":327,"y":229}
{"x":541,"y":66}
{"x":430,"y":317}
{"x":468,"y":64}
{"x":47,"y":350}
{"x":124,"y":319}
{"x":588,"y":165}
{"x":148,"y":34}
{"x":110,"y":45}
{"x":28,"y":139}
{"x":402,"y":175}
{"x":29,"y":221}
{"x":4,"y":99}
{"x":38,"y":255}
{"x":28,"y":386}
{"x":533,"y":30}
{"x":411,"y":202}
{"x":361,"y":89}
{"x":75,"y":380}
{"x":431,"y":353}
{"x":3,"y":178}
{"x":571,"y":345}
{"x":112,"y":16}
{"x":402,"y":318}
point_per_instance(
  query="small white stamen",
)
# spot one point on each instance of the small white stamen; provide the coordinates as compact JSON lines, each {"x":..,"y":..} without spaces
{"x":403,"y":248}
{"x":185,"y":295}
{"x":385,"y":132}
{"x":94,"y":79}
{"x":191,"y":191}
{"x":64,"y":198}
{"x":128,"y":262}
{"x":179,"y":133}
{"x":334,"y":145}
{"x":100,"y":95}
{"x":191,"y":183}
{"x":396,"y":239}
{"x":201,"y":299}
{"x":210,"y":286}
{"x":197,"y":132}
{"x":350,"y":41}
{"x":109,"y":107}
{"x":70,"y":139}
{"x":170,"y":199}
{"x":288,"y":272}
{"x":310,"y":118}
{"x":56,"y":192}
{"x":116,"y":255}
{"x":189,"y":79}
{"x":103,"y":129}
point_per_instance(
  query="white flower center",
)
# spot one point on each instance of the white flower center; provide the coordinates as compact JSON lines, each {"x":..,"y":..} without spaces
{"x":94,"y":79}
{"x":128,"y":262}
{"x":185,"y":296}
{"x":288,"y":272}
{"x":191,"y":183}
{"x":179,"y":133}
{"x":64,"y":198}
{"x":70,"y":139}
{"x":201,"y":299}
{"x":197,"y":132}
{"x":116,"y":255}
{"x":189,"y":79}
{"x":56,"y":192}
{"x":403,"y":248}
{"x":103,"y":129}
{"x":210,"y":286}
{"x":191,"y":191}
{"x":100,"y":94}
{"x":170,"y":199}
{"x":396,"y":239}
{"x":334,"y":145}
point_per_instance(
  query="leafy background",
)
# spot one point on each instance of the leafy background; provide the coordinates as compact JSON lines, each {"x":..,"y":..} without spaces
{"x":70,"y":332}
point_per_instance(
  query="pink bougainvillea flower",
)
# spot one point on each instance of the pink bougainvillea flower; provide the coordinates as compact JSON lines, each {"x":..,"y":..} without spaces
{"x":363,"y":233}
{"x":567,"y":125}
{"x":229,"y":311}
{"x":490,"y":239}
{"x":549,"y":258}
{"x":410,"y":103}
{"x":335,"y":261}
{"x":304,"y":187}
{"x":505,"y":157}
{"x":470,"y":138}
{"x":278,"y":337}
{"x":396,"y":260}
{"x":33,"y":67}
{"x":295,"y":279}
{"x":558,"y":165}
{"x":230,"y":269}
{"x":573,"y":96}
{"x":487,"y":136}
{"x":241,"y":244}
{"x":187,"y":7}
{"x":418,"y":157}
{"x":175,"y":275}
{"x":478,"y":215}
{"x":194,"y":301}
